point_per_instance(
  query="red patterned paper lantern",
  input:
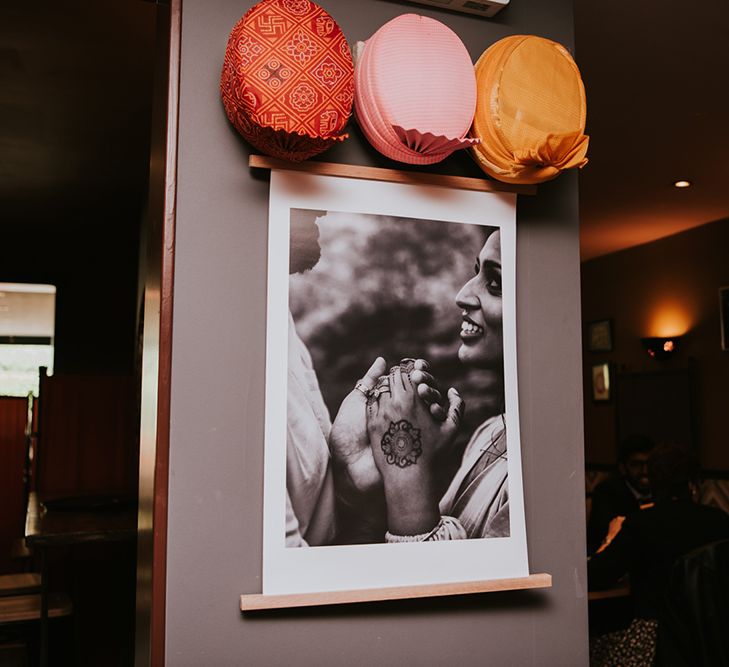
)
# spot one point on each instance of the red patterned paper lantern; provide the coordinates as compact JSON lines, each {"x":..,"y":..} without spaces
{"x":288,"y":80}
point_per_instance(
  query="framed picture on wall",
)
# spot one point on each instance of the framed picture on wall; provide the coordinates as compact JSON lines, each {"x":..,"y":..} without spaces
{"x":600,"y":336}
{"x":365,"y":279}
{"x":724,"y":317}
{"x":601,"y":383}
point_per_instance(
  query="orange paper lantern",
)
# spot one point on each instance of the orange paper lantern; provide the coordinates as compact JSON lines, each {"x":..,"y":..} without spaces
{"x":530,"y":110}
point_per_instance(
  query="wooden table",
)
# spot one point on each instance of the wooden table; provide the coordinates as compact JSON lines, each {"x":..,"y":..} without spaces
{"x":620,"y":590}
{"x":45,"y":529}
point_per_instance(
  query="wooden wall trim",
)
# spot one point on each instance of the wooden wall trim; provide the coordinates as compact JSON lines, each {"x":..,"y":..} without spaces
{"x":161,"y":477}
{"x":156,"y":363}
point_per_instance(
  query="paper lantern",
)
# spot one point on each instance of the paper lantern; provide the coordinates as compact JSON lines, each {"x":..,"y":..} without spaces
{"x":288,"y":79}
{"x":415,"y":90}
{"x":530,"y":111}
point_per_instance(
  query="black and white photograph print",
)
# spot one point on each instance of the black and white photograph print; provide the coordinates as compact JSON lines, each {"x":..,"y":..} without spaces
{"x":393,"y":322}
{"x":399,"y":412}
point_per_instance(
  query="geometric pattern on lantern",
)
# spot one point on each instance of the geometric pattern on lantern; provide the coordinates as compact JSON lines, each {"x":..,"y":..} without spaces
{"x":288,"y":70}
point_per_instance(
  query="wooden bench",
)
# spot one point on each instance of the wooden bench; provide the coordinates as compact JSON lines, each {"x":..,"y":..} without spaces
{"x":24,"y":608}
{"x":20,"y":551}
{"x":19,"y":584}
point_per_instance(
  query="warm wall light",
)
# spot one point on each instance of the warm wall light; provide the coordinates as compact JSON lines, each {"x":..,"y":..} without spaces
{"x":681,"y":184}
{"x":668,"y":318}
{"x":661,"y":348}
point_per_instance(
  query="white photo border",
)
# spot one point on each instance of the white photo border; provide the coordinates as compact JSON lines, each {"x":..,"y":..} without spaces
{"x":353,"y":567}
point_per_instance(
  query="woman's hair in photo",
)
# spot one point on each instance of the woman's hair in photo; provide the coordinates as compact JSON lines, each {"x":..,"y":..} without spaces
{"x":486,"y":232}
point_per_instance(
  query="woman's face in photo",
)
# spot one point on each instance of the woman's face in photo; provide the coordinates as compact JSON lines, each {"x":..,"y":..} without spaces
{"x":480,"y":303}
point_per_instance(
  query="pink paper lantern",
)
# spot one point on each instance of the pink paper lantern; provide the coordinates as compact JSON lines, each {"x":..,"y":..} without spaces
{"x":415,"y":90}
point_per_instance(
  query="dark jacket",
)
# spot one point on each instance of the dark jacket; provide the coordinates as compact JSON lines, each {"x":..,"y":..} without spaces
{"x":694,"y":619}
{"x":649,"y":544}
{"x":610,"y":498}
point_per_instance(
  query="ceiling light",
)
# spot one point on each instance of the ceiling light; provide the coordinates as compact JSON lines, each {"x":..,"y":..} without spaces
{"x":681,"y":184}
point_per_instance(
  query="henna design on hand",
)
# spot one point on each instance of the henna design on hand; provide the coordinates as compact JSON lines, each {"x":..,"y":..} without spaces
{"x":401,"y":444}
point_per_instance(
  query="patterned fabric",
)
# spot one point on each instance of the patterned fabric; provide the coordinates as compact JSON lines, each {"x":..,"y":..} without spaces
{"x":633,"y":647}
{"x":478,"y":495}
{"x":288,"y":80}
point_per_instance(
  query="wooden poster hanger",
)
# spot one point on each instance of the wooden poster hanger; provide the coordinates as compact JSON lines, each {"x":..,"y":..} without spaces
{"x":258,"y":602}
{"x":392,"y":175}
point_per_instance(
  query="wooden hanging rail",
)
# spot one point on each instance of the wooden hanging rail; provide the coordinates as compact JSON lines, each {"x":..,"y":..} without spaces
{"x":392,"y":175}
{"x":257,"y":602}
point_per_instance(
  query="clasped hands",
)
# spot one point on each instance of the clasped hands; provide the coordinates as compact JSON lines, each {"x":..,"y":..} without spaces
{"x":390,"y":430}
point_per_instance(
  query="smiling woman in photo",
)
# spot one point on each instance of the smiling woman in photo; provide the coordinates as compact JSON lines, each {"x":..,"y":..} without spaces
{"x":407,"y":438}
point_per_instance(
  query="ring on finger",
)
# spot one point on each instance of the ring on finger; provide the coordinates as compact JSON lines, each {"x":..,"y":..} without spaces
{"x":407,"y":365}
{"x":378,"y":391}
{"x":363,"y":388}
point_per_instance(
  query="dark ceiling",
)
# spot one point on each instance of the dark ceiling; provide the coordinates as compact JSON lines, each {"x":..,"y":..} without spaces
{"x":75,"y":92}
{"x":75,"y":107}
{"x":657,"y":80}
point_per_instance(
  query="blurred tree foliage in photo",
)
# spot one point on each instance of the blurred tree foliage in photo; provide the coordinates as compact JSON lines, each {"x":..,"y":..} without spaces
{"x":386,"y":286}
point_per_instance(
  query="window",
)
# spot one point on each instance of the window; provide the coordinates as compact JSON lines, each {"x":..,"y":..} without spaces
{"x":27,"y":326}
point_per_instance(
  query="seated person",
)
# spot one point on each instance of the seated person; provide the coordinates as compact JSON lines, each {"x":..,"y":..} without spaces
{"x":646,"y":548}
{"x":623,"y":494}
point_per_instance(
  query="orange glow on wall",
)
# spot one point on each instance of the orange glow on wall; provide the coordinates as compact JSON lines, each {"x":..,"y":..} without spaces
{"x":668,"y":319}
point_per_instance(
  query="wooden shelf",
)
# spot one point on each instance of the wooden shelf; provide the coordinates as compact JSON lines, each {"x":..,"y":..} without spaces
{"x":19,"y":608}
{"x":19,"y":584}
{"x":392,"y":175}
{"x":258,"y":602}
{"x":622,"y":591}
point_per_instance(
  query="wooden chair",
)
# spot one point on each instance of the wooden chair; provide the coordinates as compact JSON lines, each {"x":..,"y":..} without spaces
{"x":17,"y":613}
{"x":19,"y":550}
{"x":25,"y":608}
{"x":19,"y":584}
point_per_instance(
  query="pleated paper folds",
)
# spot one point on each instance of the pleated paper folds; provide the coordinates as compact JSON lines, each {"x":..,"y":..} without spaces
{"x":530,"y":111}
{"x":288,"y":79}
{"x":415,"y":90}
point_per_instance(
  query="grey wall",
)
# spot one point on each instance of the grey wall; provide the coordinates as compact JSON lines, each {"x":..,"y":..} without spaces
{"x":216,"y":457}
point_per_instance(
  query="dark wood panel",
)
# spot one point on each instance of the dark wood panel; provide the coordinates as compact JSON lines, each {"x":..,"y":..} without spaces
{"x":87,"y":443}
{"x":657,"y":404}
{"x":157,"y":344}
{"x":13,"y":416}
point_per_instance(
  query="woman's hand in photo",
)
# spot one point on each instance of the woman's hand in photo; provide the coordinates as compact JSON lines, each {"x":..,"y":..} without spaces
{"x":405,"y":439}
{"x":428,"y":389}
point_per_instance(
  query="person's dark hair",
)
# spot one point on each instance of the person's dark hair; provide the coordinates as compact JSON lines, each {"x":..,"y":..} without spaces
{"x":634,"y":444}
{"x":672,"y":469}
